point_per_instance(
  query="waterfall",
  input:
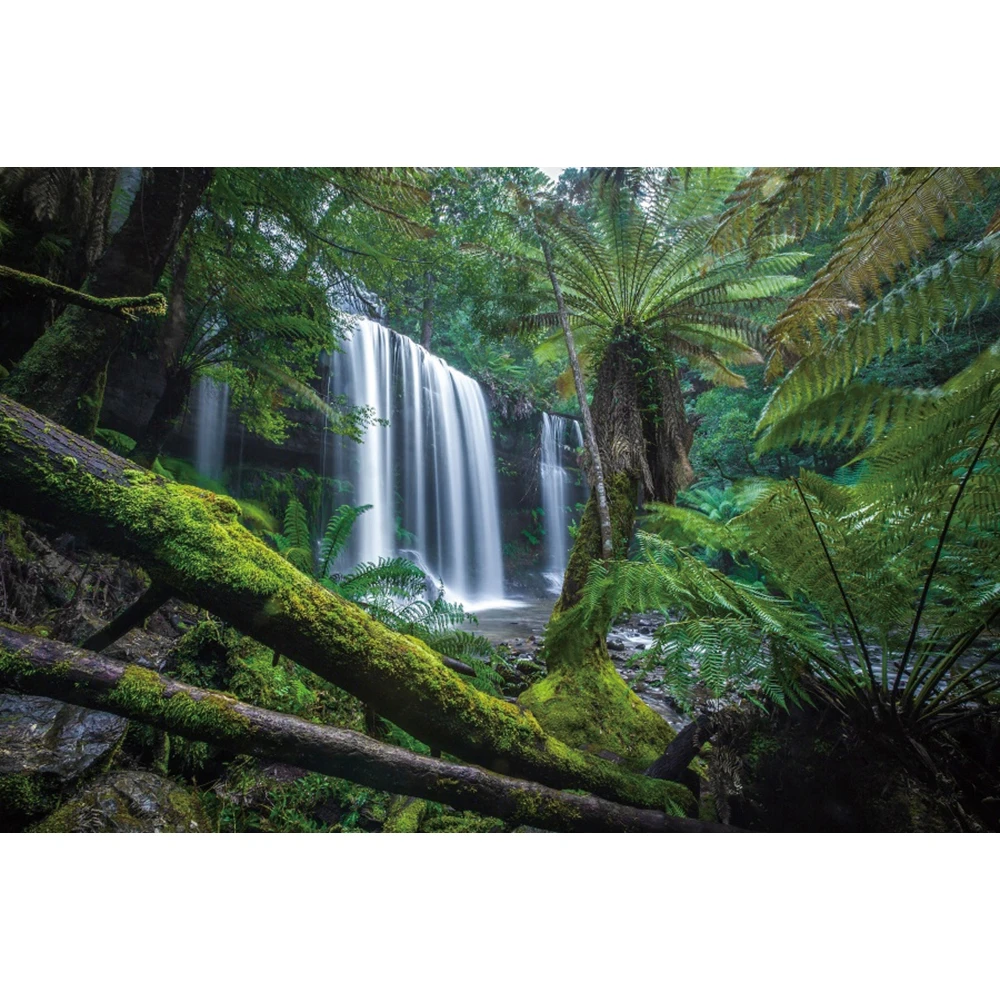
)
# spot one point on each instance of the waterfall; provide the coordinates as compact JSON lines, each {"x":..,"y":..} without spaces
{"x":212,"y":407}
{"x":429,"y":473}
{"x":560,"y":485}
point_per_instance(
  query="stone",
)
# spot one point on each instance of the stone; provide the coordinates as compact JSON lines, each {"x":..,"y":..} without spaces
{"x":129,"y":802}
{"x":40,"y":736}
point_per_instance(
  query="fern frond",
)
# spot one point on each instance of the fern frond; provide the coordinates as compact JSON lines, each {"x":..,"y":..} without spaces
{"x":396,"y":578}
{"x":911,"y":313}
{"x":337,"y":534}
{"x":899,"y":224}
{"x":297,"y":525}
{"x":775,"y":202}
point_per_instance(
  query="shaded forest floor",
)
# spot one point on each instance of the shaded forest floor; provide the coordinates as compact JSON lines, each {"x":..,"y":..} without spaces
{"x":66,"y":768}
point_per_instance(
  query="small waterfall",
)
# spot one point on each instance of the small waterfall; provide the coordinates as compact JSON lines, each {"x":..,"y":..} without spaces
{"x":212,"y":406}
{"x":429,"y":474}
{"x":561,"y":489}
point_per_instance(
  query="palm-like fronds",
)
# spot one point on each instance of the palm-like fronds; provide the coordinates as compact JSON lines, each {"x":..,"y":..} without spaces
{"x":644,"y":265}
{"x":337,"y":534}
{"x":379,"y":584}
{"x":883,"y":589}
{"x":394,"y":591}
{"x":774,"y":204}
{"x":725,"y":633}
{"x":893,"y":217}
{"x":818,"y":402}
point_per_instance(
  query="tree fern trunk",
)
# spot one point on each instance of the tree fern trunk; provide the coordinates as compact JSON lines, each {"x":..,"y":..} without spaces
{"x":581,"y":675}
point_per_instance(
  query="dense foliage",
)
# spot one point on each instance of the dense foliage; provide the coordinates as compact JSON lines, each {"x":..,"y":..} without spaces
{"x":794,"y":376}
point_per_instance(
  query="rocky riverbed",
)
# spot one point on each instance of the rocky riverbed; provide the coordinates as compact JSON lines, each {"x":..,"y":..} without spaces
{"x":519,"y":629}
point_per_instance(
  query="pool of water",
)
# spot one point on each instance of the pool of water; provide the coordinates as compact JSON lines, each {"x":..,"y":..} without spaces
{"x":514,"y":620}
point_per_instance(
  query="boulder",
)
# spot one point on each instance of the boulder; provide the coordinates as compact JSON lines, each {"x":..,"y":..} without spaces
{"x":129,"y":802}
{"x":40,"y":736}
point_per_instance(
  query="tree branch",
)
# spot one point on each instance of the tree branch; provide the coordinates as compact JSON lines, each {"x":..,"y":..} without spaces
{"x":124,"y":307}
{"x":153,"y":598}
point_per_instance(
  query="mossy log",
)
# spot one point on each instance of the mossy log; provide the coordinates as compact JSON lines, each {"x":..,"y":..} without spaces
{"x":33,"y":665}
{"x":128,"y":307}
{"x":191,"y":540}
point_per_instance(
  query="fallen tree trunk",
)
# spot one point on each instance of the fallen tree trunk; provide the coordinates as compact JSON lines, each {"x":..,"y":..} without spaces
{"x":191,"y":540}
{"x":683,"y":749}
{"x":152,"y":600}
{"x":32,"y":665}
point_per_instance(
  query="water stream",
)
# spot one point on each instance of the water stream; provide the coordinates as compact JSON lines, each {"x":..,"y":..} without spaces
{"x":561,"y":488}
{"x":427,"y":470}
{"x":212,"y":411}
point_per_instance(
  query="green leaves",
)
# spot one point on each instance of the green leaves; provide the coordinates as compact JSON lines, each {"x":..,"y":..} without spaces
{"x":645,"y":265}
{"x":337,"y":534}
{"x":818,"y":402}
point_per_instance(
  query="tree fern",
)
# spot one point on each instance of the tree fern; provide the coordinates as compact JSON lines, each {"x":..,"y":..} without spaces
{"x":907,"y":212}
{"x":936,"y":297}
{"x":775,"y":203}
{"x":881,"y":586}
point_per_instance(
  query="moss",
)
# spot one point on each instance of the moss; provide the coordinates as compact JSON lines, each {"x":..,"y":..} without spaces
{"x":591,"y":706}
{"x":143,"y":692}
{"x":12,"y":536}
{"x":25,"y":797}
{"x":126,"y":306}
{"x":583,"y":701}
{"x":707,"y":809}
{"x":192,"y":540}
{"x":188,"y":807}
{"x":129,"y":802}
{"x":462,"y":822}
{"x":405,"y":816}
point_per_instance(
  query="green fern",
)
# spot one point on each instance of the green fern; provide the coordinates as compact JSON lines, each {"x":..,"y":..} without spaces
{"x":337,"y":534}
{"x":818,"y":402}
{"x":887,"y":231}
{"x":295,"y":543}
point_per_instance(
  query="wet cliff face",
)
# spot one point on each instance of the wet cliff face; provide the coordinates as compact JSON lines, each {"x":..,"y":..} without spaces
{"x":516,"y":442}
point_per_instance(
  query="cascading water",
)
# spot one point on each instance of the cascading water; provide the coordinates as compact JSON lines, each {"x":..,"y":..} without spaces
{"x":429,"y":475}
{"x":561,"y":490}
{"x":212,"y":408}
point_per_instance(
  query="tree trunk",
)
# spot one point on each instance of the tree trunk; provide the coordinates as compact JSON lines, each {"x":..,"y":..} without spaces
{"x":596,"y":469}
{"x":191,"y":540}
{"x":60,"y":375}
{"x":38,"y":666}
{"x":671,"y":437}
{"x":168,"y":410}
{"x":673,"y":762}
{"x":580,"y":674}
